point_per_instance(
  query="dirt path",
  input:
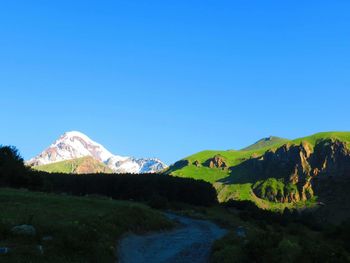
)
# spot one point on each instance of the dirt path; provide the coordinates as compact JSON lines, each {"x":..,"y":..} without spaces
{"x":191,"y":242}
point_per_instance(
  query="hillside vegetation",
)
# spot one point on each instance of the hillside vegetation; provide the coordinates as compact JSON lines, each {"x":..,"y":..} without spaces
{"x":70,"y":229}
{"x":274,"y":173}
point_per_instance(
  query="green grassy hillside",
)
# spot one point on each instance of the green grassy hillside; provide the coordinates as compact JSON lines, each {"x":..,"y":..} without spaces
{"x":238,"y":189}
{"x":342,"y":136}
{"x":266,"y":142}
{"x":77,"y":229}
{"x":212,"y":175}
{"x":76,"y":166}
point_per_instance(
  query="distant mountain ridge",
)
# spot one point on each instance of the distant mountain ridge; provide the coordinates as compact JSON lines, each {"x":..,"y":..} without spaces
{"x":74,"y":145}
{"x":266,"y":142}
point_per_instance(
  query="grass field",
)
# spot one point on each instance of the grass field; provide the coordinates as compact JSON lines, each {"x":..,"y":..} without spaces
{"x":210,"y":175}
{"x":83,"y":229}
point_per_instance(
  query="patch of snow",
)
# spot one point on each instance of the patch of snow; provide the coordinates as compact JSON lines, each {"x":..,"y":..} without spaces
{"x":74,"y":144}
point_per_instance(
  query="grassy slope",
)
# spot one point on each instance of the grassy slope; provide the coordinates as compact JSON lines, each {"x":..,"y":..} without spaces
{"x":211,"y":175}
{"x":80,"y":165}
{"x":266,"y":142}
{"x":83,"y":229}
{"x":343,"y":136}
{"x":233,"y":158}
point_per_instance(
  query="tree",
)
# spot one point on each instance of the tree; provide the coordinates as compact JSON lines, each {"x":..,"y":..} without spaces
{"x":12,"y":169}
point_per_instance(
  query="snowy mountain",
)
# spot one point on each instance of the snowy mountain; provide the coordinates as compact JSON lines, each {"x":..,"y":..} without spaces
{"x":73,"y":145}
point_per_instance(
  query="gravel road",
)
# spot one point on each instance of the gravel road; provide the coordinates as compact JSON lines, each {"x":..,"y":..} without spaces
{"x":190,"y":242}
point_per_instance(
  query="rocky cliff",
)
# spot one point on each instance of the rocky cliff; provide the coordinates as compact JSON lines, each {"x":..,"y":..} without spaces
{"x":287,"y":174}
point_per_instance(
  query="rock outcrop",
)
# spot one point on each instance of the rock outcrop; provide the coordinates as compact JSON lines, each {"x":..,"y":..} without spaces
{"x":196,"y":163}
{"x":90,"y":165}
{"x":216,"y":162}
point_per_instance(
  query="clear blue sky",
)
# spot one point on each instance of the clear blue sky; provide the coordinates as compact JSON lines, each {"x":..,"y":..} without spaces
{"x":170,"y":78}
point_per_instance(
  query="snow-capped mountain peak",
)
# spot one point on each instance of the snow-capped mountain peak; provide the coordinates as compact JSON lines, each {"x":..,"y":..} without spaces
{"x":74,"y":144}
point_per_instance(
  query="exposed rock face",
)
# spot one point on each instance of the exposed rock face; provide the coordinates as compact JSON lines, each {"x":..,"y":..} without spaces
{"x":90,"y":165}
{"x":291,"y":197}
{"x":196,"y":163}
{"x":332,"y":158}
{"x":288,"y":163}
{"x":295,"y":166}
{"x":216,"y":162}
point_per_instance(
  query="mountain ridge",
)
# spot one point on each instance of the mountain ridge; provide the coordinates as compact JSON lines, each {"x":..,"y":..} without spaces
{"x":74,"y":145}
{"x":275,"y":176}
